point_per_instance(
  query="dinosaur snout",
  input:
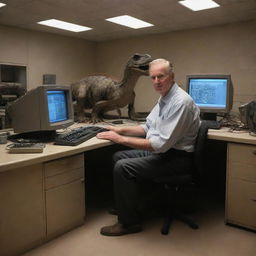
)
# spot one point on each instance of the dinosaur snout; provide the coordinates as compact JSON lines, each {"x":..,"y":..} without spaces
{"x":144,"y":68}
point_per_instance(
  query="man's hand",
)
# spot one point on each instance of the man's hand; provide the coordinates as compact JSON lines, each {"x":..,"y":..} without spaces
{"x":135,"y":131}
{"x":133,"y":142}
{"x":110,"y":135}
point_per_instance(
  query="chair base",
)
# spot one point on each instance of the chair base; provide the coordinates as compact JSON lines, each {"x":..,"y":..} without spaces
{"x":177,"y":215}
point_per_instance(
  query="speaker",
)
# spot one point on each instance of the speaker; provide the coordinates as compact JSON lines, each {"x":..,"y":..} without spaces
{"x":248,"y":116}
{"x":49,"y":79}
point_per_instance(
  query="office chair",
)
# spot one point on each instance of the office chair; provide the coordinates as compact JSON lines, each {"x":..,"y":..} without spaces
{"x":176,"y":183}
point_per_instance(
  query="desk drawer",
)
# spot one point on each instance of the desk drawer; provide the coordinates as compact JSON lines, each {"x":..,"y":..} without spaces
{"x":241,"y":203}
{"x":64,"y":194}
{"x":64,"y":178}
{"x":242,"y":153}
{"x":63,"y":165}
{"x":65,"y":208}
{"x":242,"y":171}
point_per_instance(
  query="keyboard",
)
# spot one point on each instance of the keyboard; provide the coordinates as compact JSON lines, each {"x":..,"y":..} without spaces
{"x":78,"y":135}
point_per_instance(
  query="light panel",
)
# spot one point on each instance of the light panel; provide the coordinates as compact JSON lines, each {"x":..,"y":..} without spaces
{"x":2,"y":5}
{"x":64,"y":25}
{"x":198,"y":5}
{"x":128,"y":21}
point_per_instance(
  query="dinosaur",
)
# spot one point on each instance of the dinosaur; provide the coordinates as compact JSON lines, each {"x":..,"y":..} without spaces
{"x":101,"y":93}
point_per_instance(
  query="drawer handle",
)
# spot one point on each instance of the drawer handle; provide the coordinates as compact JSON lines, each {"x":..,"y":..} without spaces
{"x":254,"y":200}
{"x":254,"y":152}
{"x":82,"y":180}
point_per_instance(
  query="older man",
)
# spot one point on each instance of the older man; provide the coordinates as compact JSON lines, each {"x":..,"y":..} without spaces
{"x":165,"y":141}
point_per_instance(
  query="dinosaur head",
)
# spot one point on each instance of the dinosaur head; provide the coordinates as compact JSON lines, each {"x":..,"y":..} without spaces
{"x":140,"y":63}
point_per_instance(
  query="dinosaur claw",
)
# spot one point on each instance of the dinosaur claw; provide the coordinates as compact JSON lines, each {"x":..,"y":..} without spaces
{"x":96,"y":120}
{"x":82,"y":120}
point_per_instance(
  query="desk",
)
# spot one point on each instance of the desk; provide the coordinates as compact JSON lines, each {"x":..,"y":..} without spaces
{"x":240,"y":203}
{"x":41,"y":195}
{"x":51,"y":152}
{"x":36,"y":189}
{"x":236,"y":137}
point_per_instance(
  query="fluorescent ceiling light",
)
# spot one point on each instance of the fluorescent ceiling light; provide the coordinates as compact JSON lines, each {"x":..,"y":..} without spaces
{"x":63,"y":25}
{"x":129,"y":21}
{"x":198,"y":5}
{"x":2,"y":5}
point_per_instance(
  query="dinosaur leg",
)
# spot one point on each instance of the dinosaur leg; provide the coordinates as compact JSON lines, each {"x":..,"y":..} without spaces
{"x":131,"y":111}
{"x":101,"y":107}
{"x":80,"y":111}
{"x":119,"y":112}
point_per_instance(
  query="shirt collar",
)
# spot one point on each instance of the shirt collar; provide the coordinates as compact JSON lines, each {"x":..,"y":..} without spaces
{"x":169,"y":95}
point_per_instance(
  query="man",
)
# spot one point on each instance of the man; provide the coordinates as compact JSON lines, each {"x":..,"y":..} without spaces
{"x":165,"y":141}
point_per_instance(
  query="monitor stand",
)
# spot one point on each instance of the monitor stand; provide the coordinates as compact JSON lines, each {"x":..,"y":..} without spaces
{"x":33,"y":137}
{"x":208,"y":116}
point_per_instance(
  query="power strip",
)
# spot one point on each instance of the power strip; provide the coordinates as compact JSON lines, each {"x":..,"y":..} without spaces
{"x":25,"y":148}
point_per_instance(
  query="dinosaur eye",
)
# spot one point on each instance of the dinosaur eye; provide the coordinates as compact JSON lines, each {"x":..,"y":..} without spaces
{"x":136,"y":57}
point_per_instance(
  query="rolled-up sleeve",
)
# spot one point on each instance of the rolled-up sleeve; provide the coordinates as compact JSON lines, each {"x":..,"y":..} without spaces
{"x":150,"y":119}
{"x":145,"y":127}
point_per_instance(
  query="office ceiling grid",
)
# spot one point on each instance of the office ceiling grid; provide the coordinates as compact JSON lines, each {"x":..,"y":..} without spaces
{"x":166,"y":15}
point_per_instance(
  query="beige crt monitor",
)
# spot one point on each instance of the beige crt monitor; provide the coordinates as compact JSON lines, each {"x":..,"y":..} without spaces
{"x":45,"y":108}
{"x":212,"y":93}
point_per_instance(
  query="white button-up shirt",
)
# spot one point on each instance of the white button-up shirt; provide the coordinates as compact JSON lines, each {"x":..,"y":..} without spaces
{"x":173,"y":122}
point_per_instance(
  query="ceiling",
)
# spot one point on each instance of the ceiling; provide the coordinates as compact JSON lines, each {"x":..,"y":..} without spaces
{"x":166,"y":15}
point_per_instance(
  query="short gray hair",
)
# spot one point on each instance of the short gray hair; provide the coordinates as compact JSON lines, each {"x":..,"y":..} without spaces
{"x":164,"y":62}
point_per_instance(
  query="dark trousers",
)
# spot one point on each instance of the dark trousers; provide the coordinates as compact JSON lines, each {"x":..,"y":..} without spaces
{"x":133,"y":168}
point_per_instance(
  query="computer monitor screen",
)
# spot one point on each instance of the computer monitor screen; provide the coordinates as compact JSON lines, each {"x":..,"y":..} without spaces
{"x":57,"y":107}
{"x":45,"y":108}
{"x":212,"y":93}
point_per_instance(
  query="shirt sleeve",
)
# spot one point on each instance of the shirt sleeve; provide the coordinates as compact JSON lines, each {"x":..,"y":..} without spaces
{"x":150,"y":118}
{"x":172,"y":128}
{"x":145,"y":127}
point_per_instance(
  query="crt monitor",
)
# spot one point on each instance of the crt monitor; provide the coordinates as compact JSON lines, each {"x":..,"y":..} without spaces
{"x":45,"y":108}
{"x":213,"y":94}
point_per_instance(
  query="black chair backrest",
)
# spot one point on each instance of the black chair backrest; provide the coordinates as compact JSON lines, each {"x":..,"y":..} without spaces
{"x":198,"y":167}
{"x":200,"y":150}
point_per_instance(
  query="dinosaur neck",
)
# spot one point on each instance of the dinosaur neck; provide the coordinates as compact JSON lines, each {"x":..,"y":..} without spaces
{"x":130,"y":78}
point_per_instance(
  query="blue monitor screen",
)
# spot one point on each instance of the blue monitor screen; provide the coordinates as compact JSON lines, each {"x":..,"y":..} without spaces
{"x":57,"y":106}
{"x":209,"y":92}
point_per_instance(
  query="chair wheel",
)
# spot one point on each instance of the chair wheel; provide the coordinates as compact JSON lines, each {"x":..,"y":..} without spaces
{"x":193,"y":225}
{"x":164,"y":231}
{"x":166,"y":226}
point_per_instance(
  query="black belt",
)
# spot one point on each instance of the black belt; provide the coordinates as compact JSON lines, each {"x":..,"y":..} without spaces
{"x":178,"y":152}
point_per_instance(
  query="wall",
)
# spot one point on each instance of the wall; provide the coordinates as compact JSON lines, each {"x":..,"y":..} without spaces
{"x":220,"y":49}
{"x":44,"y":53}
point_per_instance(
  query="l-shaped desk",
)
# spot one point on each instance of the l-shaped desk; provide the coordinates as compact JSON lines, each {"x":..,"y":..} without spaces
{"x":42,"y":194}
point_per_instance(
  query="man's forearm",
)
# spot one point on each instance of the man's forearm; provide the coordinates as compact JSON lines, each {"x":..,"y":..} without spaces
{"x":137,"y":143}
{"x":128,"y":136}
{"x":132,"y":131}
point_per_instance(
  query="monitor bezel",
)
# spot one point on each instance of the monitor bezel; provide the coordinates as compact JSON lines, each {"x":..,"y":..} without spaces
{"x":229,"y":92}
{"x":29,"y":113}
{"x":46,"y":124}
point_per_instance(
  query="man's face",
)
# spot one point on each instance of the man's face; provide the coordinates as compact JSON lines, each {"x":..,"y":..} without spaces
{"x":161,"y":78}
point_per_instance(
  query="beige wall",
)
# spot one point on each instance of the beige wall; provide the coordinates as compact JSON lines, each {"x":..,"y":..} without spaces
{"x":44,"y":53}
{"x":220,"y":49}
